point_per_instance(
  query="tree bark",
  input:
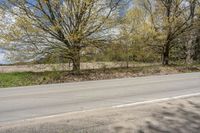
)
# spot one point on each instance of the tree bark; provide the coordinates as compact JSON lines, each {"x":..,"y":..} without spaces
{"x":190,"y":51}
{"x":189,"y":59}
{"x":165,"y":55}
{"x":76,"y":61}
{"x":127,"y":57}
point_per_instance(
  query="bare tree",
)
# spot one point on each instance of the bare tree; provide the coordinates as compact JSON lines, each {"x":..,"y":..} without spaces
{"x":170,"y":19}
{"x":65,"y":26}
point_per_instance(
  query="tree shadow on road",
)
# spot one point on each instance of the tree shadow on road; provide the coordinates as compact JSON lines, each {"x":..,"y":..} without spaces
{"x":184,"y":118}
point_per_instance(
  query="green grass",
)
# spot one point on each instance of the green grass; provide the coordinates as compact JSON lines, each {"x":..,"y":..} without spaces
{"x":27,"y":78}
{"x":33,"y":78}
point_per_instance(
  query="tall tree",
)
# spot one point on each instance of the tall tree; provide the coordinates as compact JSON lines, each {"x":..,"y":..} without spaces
{"x":67,"y":26}
{"x":170,"y":19}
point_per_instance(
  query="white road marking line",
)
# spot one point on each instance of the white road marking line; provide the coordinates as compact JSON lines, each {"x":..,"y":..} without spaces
{"x":98,"y":109}
{"x":52,"y":116}
{"x":156,"y":100}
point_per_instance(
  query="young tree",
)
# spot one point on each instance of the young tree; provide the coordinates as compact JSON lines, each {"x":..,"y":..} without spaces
{"x":131,"y":32}
{"x":67,"y":26}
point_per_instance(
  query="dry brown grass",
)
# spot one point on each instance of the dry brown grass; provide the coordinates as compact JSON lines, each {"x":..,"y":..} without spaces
{"x":49,"y":77}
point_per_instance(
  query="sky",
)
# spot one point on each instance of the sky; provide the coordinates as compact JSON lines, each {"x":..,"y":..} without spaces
{"x":2,"y":57}
{"x":2,"y":52}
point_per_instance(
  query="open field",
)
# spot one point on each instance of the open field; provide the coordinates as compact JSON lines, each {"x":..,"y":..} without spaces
{"x":37,"y":78}
{"x":66,"y":67}
{"x":177,"y":116}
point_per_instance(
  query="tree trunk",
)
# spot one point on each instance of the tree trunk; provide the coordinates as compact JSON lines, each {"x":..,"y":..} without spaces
{"x":127,"y":57}
{"x":76,"y":61}
{"x":165,"y":55}
{"x":190,"y":51}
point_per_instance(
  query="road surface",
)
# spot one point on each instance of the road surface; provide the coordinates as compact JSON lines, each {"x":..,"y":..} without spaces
{"x":38,"y":101}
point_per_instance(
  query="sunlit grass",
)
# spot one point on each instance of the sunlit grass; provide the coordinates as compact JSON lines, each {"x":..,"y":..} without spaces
{"x":26,"y":78}
{"x":38,"y":78}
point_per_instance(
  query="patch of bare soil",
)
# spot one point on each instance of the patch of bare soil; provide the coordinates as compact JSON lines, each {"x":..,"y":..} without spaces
{"x":112,"y":73}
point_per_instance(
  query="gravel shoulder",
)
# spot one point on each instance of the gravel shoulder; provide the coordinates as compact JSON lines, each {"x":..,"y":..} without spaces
{"x":176,"y":116}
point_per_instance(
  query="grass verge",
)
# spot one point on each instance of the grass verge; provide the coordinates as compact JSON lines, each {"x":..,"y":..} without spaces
{"x":31,"y":78}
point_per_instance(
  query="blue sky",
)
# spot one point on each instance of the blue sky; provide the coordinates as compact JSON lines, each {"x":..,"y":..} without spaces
{"x":2,"y":52}
{"x":2,"y":57}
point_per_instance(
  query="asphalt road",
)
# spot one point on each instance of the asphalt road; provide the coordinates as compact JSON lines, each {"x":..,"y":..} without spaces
{"x":46,"y":100}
